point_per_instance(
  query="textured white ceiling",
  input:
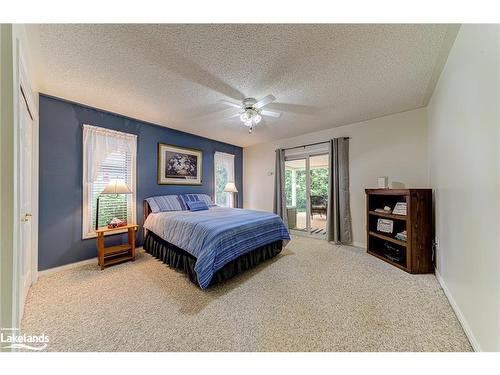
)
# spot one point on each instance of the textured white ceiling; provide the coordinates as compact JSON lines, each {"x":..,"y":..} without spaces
{"x":173,"y":75}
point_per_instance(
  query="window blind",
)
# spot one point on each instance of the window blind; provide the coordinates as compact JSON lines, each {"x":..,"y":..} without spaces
{"x":107,"y":155}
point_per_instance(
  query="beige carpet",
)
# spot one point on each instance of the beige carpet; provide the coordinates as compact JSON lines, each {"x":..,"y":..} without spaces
{"x":313,"y":297}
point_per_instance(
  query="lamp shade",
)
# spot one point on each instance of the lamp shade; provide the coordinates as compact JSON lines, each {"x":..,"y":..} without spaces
{"x":230,"y":188}
{"x":116,"y":186}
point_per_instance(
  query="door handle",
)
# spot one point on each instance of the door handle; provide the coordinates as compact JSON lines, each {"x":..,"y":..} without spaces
{"x":26,"y":217}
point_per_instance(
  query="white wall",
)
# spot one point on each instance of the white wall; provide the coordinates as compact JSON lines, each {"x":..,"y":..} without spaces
{"x":464,"y":138}
{"x":394,"y":146}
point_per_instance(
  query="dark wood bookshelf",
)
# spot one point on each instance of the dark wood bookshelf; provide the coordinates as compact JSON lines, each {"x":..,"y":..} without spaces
{"x":415,"y":255}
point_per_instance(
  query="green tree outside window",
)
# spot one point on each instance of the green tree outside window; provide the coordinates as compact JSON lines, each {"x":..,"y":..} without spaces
{"x":319,"y":186}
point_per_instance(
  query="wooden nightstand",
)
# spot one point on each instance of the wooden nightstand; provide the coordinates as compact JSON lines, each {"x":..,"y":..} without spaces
{"x":118,"y":253}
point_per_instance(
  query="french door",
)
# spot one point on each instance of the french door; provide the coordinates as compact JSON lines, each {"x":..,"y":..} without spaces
{"x":306,"y":190}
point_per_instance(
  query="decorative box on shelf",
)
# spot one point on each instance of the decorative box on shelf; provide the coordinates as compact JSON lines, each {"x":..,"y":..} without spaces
{"x":408,"y":244}
{"x":116,"y":223}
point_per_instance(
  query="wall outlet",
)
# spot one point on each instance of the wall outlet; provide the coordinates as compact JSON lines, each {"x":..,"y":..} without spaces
{"x":435,"y":243}
{"x":435,"y":247}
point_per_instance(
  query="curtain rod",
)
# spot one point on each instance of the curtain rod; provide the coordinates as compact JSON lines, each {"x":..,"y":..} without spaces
{"x":311,"y":144}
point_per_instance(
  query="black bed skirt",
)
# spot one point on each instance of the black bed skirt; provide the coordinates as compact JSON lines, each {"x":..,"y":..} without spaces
{"x":179,"y":259}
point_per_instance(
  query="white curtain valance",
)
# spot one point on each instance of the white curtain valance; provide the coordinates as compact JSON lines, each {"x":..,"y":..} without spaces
{"x":99,"y":143}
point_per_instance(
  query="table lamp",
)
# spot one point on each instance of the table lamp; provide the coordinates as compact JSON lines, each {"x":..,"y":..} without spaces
{"x":114,"y":186}
{"x":231,"y":188}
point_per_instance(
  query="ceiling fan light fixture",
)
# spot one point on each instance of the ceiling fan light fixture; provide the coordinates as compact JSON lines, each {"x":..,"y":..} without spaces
{"x":250,"y":117}
{"x":246,"y":116}
{"x":256,"y":119}
{"x":252,"y":111}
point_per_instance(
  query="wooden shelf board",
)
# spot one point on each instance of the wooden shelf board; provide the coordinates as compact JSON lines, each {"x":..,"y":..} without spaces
{"x":109,"y":262}
{"x":389,"y":216}
{"x":116,"y":249}
{"x":117,"y":229}
{"x":375,"y":254}
{"x":393,"y":192}
{"x":387,"y":238}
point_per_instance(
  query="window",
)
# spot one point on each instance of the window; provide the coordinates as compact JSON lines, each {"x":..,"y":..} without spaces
{"x":224,"y":173}
{"x":107,"y":154}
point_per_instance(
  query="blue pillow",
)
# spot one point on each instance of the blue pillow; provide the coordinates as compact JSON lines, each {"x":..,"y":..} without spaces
{"x":197,"y":205}
{"x":186,"y":198}
{"x":166,"y":203}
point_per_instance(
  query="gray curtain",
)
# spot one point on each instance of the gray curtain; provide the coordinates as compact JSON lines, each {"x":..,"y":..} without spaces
{"x":339,"y":212}
{"x":279,"y":203}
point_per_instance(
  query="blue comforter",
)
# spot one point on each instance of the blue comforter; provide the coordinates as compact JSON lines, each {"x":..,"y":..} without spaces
{"x":218,"y":235}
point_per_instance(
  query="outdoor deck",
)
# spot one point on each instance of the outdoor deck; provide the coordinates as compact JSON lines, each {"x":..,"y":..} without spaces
{"x":318,"y":223}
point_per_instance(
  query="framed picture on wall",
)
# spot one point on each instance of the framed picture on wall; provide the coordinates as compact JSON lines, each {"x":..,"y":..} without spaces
{"x":178,"y":165}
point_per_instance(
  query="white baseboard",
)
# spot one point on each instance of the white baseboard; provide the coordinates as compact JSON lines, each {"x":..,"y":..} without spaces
{"x":50,"y":271}
{"x":463,"y":322}
{"x":53,"y":270}
{"x":359,"y":244}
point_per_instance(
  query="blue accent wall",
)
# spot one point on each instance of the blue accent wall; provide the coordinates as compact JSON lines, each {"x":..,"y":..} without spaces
{"x":60,"y":198}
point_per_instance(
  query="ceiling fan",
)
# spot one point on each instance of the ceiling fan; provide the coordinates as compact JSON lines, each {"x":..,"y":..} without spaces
{"x":251,"y":111}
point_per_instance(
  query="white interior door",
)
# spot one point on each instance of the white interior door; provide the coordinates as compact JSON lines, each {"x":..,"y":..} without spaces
{"x":26,"y":169}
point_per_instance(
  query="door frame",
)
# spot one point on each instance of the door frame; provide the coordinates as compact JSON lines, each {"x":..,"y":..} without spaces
{"x":304,"y":157}
{"x":23,"y":91}
{"x":308,"y":194}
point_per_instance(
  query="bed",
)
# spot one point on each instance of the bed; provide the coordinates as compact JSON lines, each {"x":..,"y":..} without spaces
{"x":213,"y":245}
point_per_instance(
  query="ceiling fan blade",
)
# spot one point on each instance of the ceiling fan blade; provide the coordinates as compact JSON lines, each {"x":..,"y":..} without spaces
{"x":300,"y":109}
{"x":271,"y":114}
{"x":226,"y":102}
{"x":235,"y":115}
{"x":264,"y":101}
